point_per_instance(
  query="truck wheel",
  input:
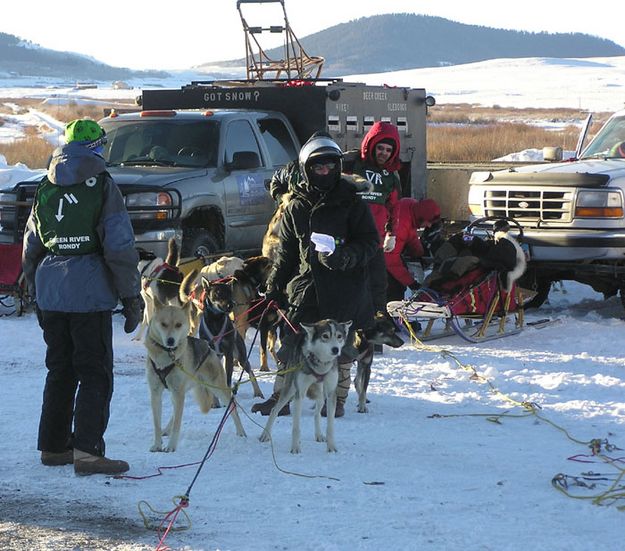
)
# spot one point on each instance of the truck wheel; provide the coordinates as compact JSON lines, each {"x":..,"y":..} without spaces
{"x":542,"y":287}
{"x":198,"y":242}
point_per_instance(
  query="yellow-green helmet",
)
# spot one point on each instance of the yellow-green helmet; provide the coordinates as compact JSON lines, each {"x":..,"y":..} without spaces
{"x":85,"y":131}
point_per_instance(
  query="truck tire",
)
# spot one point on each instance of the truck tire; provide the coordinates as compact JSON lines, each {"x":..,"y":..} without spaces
{"x":197,"y":242}
{"x":542,"y":287}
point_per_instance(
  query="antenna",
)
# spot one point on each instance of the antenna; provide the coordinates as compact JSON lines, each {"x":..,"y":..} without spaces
{"x":295,"y":64}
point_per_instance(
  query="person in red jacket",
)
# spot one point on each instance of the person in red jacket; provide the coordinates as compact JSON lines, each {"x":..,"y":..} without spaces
{"x":378,"y":163}
{"x":408,"y":216}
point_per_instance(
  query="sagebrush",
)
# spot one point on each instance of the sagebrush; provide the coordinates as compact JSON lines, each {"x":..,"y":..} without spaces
{"x":455,"y":132}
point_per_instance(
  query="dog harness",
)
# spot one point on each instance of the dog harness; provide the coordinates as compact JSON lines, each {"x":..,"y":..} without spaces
{"x":153,"y":273}
{"x":163,"y":372}
{"x":214,"y":340}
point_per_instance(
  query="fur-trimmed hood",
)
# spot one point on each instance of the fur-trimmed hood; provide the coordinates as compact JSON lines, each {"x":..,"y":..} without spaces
{"x":358,"y":182}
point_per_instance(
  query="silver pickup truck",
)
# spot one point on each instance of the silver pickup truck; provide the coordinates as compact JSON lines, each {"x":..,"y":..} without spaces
{"x":193,"y":163}
{"x":198,"y":176}
{"x":572,"y":213}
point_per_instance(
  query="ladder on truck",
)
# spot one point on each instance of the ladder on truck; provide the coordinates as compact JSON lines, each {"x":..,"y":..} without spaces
{"x":295,"y":64}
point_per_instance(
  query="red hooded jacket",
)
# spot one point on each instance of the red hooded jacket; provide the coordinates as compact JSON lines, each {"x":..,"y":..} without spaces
{"x":408,"y":216}
{"x":384,"y":181}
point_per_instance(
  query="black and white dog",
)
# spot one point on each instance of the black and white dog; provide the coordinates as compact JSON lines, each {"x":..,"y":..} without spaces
{"x":383,"y":331}
{"x":160,"y":280}
{"x":217,"y":328}
{"x":312,"y":369}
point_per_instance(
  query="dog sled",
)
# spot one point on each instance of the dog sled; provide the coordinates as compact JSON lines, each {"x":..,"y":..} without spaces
{"x":481,"y":304}
{"x":13,"y":296}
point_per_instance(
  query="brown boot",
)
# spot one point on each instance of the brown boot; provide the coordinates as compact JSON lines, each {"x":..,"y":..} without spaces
{"x":85,"y":464}
{"x":56,"y":459}
{"x":342,"y":390}
{"x":339,"y":411}
{"x":265,"y":407}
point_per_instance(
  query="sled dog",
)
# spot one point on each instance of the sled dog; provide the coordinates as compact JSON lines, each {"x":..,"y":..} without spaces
{"x":222,"y":268}
{"x":177,"y":362}
{"x":217,"y":329}
{"x":271,"y":239}
{"x":160,"y":279}
{"x":383,"y":331}
{"x":521,"y":262}
{"x":312,"y":369}
{"x":249,"y":309}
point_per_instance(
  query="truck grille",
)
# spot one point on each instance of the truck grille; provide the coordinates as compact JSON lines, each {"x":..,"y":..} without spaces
{"x":13,"y":218}
{"x":529,"y":204}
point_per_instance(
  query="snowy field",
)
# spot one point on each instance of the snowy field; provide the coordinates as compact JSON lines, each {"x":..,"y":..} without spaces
{"x":589,"y":84}
{"x":479,"y":477}
{"x":446,"y":458}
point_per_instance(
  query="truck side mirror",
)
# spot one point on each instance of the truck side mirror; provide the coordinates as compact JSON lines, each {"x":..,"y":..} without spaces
{"x":244,"y":160}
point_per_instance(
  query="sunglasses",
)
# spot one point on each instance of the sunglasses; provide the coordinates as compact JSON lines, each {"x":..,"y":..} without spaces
{"x":319,"y":167}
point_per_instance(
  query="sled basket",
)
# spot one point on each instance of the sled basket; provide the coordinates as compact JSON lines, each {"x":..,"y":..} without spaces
{"x":476,"y":306}
{"x":12,"y":284}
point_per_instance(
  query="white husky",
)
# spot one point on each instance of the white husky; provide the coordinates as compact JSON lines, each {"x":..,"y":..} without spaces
{"x":312,"y":364}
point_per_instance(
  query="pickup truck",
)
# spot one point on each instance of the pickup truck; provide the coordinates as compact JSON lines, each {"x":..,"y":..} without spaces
{"x":193,"y":163}
{"x":572,"y":213}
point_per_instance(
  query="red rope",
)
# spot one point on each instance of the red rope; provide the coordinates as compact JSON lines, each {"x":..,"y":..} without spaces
{"x":281,"y":313}
{"x":172,"y":516}
{"x":158,"y":473}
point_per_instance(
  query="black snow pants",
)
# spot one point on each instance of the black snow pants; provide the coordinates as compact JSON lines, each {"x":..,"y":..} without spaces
{"x":377,"y":281}
{"x":79,"y":384}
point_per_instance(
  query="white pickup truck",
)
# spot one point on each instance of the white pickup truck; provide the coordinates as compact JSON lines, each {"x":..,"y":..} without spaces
{"x":572,"y":213}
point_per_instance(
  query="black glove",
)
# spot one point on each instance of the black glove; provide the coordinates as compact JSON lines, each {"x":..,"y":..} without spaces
{"x":132,"y":312}
{"x":276,"y":296}
{"x":340,"y":259}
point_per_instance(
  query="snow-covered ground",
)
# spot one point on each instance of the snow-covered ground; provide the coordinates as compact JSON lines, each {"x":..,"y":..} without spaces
{"x":445,"y":459}
{"x":588,"y":84}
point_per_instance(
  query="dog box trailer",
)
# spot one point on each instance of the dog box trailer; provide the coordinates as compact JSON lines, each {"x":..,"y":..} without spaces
{"x":346,"y":110}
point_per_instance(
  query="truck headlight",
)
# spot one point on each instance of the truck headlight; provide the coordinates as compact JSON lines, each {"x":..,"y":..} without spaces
{"x":149,"y":205}
{"x":476,"y":200}
{"x":599,"y":204}
{"x":8,"y":209}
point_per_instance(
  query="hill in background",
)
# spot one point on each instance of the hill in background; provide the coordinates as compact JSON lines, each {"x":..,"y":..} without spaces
{"x":367,"y":45}
{"x":23,"y":58}
{"x":406,"y":41}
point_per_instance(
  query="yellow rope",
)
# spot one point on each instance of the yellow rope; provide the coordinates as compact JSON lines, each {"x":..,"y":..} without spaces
{"x":596,"y":445}
{"x":151,"y":524}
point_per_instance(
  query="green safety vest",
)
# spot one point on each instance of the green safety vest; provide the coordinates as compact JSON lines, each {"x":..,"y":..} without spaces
{"x":381,"y":181}
{"x":67,"y":216}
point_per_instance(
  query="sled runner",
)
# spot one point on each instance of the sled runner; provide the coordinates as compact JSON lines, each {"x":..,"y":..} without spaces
{"x":480,"y":300}
{"x":12,"y":284}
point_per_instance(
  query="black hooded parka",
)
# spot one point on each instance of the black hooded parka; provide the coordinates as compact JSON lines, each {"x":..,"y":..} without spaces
{"x":313,"y":291}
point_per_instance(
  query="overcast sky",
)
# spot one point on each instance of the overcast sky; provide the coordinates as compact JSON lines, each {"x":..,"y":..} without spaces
{"x":145,"y":35}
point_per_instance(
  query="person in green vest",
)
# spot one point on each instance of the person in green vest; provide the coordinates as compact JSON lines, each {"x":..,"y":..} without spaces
{"x":79,"y":261}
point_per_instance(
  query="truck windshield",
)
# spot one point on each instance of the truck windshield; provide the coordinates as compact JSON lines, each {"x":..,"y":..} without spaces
{"x":181,"y":143}
{"x":609,"y":143}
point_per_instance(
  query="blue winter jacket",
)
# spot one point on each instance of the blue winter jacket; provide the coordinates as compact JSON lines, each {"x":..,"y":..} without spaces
{"x":91,"y":282}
